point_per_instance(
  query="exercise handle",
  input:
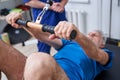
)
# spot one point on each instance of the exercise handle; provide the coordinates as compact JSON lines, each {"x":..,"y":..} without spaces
{"x":22,"y":22}
{"x":44,"y":28}
{"x":50,"y":29}
{"x":47,"y":28}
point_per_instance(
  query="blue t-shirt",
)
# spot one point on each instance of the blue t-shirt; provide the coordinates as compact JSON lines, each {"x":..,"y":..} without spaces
{"x":76,"y":64}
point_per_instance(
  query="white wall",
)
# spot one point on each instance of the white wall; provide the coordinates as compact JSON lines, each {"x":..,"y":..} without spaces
{"x":99,"y":16}
{"x":93,"y":11}
{"x":115,"y":23}
{"x":106,"y":17}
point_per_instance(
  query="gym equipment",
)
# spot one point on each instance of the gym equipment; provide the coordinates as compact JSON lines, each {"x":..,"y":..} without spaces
{"x":45,"y":8}
{"x":44,"y":28}
{"x":16,"y":35}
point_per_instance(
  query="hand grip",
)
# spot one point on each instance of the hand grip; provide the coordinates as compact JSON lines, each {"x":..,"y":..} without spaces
{"x":45,"y":28}
{"x":22,"y":22}
{"x":50,"y":29}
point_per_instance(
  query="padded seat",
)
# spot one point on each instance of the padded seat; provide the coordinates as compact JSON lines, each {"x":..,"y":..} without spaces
{"x":114,"y":72}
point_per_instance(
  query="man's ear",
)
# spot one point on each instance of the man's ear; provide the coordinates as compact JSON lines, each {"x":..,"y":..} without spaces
{"x":92,"y":34}
{"x":102,"y":45}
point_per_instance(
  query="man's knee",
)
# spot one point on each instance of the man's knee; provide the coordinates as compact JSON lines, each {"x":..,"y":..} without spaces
{"x":39,"y":64}
{"x":40,"y":59}
{"x":43,"y":67}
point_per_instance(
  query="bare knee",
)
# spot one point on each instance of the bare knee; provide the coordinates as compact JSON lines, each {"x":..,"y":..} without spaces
{"x":39,"y":64}
{"x":40,"y":59}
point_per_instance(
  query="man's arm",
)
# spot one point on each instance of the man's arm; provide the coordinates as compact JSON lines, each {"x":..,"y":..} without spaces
{"x":63,"y":30}
{"x":92,"y":50}
{"x":42,"y":36}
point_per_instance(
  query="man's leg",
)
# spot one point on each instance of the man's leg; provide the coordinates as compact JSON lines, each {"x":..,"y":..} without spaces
{"x":12,"y":62}
{"x":40,"y":66}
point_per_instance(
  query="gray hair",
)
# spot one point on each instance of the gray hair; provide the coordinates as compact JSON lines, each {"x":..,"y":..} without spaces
{"x":102,"y":34}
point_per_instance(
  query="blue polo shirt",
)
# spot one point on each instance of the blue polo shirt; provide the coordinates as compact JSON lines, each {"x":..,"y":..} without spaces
{"x":76,"y":64}
{"x":51,"y":18}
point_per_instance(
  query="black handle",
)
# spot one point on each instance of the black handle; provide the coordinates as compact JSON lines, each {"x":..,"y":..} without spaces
{"x":73,"y":34}
{"x":50,"y":29}
{"x":46,"y":28}
{"x":22,"y":22}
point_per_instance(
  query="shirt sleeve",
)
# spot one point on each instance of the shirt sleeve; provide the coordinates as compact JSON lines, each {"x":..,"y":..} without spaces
{"x":108,"y":64}
{"x":65,"y":42}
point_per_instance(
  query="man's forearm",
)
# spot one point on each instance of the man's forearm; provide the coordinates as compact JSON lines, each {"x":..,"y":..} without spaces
{"x":56,"y":43}
{"x":44,"y":37}
{"x":87,"y":45}
{"x":91,"y":49}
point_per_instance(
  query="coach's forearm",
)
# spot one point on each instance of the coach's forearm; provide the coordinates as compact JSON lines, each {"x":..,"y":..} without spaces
{"x":35,"y":4}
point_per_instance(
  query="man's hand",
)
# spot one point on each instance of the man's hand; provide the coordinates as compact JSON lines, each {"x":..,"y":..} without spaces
{"x":12,"y":17}
{"x":63,"y":30}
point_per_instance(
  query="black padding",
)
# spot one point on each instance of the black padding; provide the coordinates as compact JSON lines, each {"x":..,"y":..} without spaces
{"x":16,"y":35}
{"x":22,"y":22}
{"x":49,"y":29}
{"x":114,"y":72}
